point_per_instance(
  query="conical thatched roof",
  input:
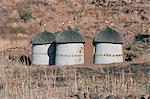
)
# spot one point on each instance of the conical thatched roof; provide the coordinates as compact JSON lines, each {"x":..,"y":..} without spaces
{"x":70,"y":36}
{"x":43,"y":38}
{"x":108,"y":35}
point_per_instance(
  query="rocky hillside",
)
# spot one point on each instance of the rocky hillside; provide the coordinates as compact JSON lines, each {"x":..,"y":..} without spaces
{"x":25,"y":17}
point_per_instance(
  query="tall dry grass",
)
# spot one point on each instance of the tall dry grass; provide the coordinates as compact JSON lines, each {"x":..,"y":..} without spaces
{"x":43,"y":82}
{"x":7,"y":43}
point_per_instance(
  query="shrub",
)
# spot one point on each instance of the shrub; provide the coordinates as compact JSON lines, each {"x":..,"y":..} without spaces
{"x":25,"y":15}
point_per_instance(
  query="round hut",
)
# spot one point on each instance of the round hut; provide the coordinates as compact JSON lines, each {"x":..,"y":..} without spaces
{"x":69,"y":48}
{"x":43,"y":48}
{"x":108,"y":47}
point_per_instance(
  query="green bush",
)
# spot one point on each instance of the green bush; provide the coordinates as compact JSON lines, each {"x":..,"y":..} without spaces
{"x":25,"y":15}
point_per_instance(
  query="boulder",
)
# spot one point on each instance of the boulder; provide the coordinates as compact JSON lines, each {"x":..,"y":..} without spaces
{"x":143,"y":37}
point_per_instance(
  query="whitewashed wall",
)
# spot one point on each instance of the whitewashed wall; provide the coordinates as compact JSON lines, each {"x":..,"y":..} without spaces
{"x":43,"y":54}
{"x":69,"y":54}
{"x":106,"y":53}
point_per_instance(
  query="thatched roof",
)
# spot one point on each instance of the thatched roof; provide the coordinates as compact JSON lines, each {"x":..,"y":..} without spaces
{"x":43,"y":38}
{"x":70,"y":36}
{"x":108,"y":35}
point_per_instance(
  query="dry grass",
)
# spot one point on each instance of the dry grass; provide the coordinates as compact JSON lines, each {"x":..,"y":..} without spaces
{"x":7,"y":43}
{"x":43,"y":82}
